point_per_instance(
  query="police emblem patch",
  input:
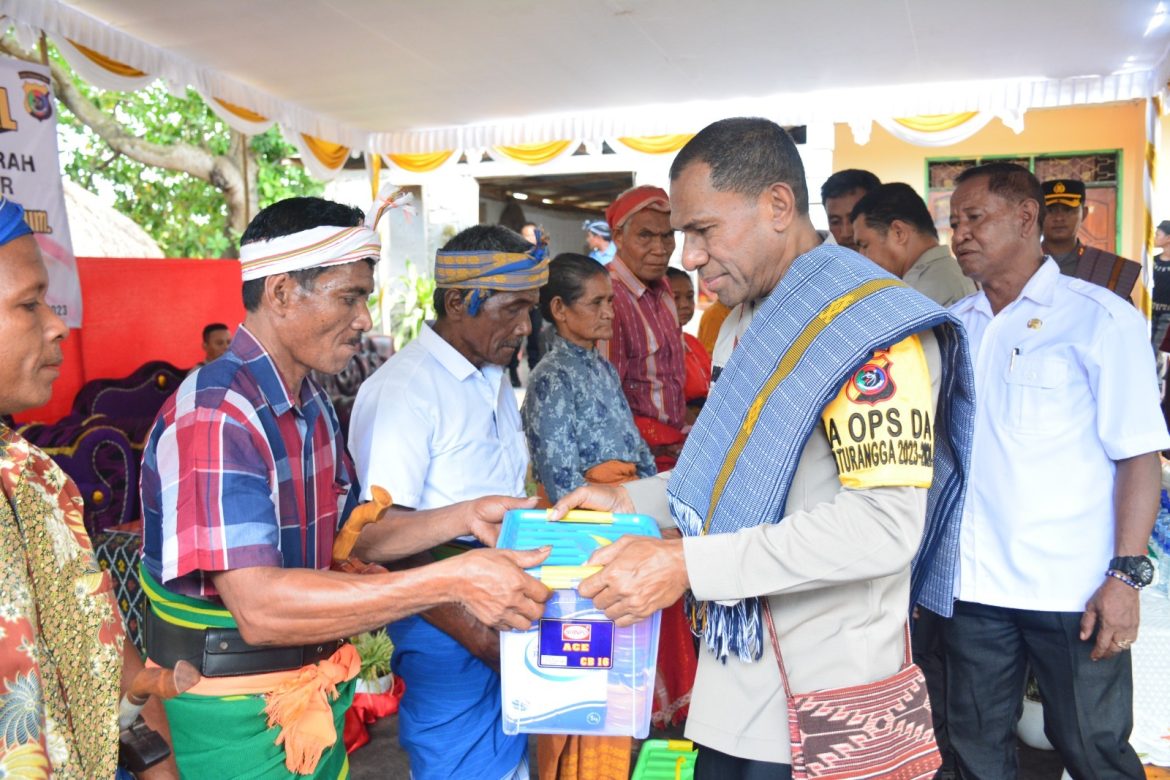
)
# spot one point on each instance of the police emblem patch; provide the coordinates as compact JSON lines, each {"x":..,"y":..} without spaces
{"x":873,"y":382}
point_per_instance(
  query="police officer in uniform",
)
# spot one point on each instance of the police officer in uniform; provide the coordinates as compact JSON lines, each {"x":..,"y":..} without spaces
{"x":1065,"y":209}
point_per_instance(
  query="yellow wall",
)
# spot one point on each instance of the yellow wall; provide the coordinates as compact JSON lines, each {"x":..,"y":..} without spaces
{"x":1046,"y":131}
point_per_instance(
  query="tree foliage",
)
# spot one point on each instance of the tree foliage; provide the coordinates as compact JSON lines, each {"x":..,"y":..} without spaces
{"x":170,"y":163}
{"x":187,"y":216}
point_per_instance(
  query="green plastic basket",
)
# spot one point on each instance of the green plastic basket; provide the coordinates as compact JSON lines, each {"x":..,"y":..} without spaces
{"x":665,"y":759}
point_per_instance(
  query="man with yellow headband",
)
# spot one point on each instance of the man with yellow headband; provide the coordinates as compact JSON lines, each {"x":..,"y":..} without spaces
{"x":245,"y":483}
{"x":438,"y":423}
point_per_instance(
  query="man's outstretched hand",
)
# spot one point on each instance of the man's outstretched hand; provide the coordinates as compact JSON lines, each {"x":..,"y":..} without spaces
{"x":603,"y":498}
{"x":493,"y":586}
{"x":484,"y":515}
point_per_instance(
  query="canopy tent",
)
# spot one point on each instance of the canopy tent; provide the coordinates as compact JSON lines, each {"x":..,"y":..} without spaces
{"x":413,"y":85}
{"x":524,"y":84}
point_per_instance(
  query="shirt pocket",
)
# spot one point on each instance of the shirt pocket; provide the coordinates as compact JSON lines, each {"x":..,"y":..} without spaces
{"x":1034,"y":386}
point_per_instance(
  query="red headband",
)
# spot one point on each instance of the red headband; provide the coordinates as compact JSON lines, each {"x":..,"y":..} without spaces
{"x":632,"y":201}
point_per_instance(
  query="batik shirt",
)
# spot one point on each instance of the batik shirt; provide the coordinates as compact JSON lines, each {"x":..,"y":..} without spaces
{"x":576,"y":417}
{"x":236,"y":473}
{"x":60,"y":634}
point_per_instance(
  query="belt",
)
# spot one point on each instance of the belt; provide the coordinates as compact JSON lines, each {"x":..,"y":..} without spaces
{"x":222,"y":652}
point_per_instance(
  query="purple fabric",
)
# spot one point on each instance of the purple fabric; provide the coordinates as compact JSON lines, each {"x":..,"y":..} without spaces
{"x":98,"y":457}
{"x":131,"y":402}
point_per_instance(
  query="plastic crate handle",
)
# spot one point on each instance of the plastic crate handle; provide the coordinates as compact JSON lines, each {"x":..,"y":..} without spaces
{"x":586,"y":516}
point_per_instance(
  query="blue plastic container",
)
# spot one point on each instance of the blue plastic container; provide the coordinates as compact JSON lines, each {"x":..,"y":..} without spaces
{"x":575,"y":672}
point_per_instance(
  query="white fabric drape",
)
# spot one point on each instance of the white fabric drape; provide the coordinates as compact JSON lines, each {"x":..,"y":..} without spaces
{"x":1006,"y":98}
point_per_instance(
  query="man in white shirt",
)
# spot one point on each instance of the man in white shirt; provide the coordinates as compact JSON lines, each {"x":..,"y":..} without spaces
{"x":1064,"y":492}
{"x":438,"y":421}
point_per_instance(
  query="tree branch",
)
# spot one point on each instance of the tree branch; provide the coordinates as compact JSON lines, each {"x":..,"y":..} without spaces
{"x":220,"y":171}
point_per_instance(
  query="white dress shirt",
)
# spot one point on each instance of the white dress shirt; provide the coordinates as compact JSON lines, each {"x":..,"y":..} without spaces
{"x":1065,"y":385}
{"x":432,"y":429}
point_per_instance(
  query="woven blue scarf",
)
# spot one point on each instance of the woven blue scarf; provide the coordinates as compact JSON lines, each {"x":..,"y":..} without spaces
{"x":829,"y":313}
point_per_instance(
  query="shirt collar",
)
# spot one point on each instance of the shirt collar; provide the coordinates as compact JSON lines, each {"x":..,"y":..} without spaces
{"x":1040,"y":289}
{"x":560,"y":342}
{"x":635,"y":285}
{"x":932,"y":255}
{"x":447,"y":356}
{"x":252,"y":353}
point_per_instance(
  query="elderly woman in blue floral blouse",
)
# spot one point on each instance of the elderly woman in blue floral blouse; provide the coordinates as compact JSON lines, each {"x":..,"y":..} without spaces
{"x":576,"y":418}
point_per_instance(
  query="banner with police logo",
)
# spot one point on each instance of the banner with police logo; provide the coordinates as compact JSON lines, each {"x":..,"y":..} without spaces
{"x":30,"y":175}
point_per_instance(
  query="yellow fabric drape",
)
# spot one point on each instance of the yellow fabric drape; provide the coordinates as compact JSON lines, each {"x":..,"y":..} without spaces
{"x":374,"y":165}
{"x":935,"y":123}
{"x":534,"y":154}
{"x":420,"y":163}
{"x":102,"y":61}
{"x":329,"y":154}
{"x":657,"y":144}
{"x":247,"y":114}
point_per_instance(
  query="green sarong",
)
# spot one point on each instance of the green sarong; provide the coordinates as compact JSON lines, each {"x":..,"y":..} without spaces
{"x":228,"y":736}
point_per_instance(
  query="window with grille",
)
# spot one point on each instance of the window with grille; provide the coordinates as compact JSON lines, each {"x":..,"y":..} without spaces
{"x":1098,"y":170}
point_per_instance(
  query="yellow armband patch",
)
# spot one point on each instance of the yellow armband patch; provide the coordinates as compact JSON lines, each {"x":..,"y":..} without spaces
{"x":880,"y":426}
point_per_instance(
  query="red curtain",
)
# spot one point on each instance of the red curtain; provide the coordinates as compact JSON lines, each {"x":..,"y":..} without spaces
{"x":135,"y":310}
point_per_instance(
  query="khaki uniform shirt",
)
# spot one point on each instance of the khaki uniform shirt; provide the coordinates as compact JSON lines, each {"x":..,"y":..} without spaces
{"x":936,"y":274}
{"x":837,"y":569}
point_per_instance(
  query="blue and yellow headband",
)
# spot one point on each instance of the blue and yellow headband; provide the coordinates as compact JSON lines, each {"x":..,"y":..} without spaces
{"x":485,"y":272}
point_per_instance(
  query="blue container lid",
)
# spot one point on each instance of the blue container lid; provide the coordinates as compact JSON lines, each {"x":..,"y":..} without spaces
{"x":573,"y":538}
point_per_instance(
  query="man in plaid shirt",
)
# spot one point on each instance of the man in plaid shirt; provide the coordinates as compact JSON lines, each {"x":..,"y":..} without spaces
{"x":246,"y":482}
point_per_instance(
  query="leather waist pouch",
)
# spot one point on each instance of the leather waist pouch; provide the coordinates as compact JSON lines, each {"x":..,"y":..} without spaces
{"x":222,"y":652}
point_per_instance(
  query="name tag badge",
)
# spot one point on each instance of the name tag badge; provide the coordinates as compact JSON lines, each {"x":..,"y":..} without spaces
{"x":576,"y":644}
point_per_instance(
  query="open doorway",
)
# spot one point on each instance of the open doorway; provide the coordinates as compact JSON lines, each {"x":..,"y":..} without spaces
{"x":558,"y":204}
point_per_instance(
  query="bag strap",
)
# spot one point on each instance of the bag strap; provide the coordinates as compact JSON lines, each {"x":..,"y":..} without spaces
{"x":907,"y":657}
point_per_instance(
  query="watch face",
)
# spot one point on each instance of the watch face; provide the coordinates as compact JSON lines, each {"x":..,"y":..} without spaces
{"x":1137,"y":567}
{"x":1142,"y":570}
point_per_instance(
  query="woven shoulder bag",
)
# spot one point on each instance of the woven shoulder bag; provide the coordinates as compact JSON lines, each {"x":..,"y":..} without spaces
{"x":881,"y":729}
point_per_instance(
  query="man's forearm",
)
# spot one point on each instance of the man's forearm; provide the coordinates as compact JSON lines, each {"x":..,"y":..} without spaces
{"x":481,"y":641}
{"x":152,"y":712}
{"x":300,"y":606}
{"x":404,"y":532}
{"x":1135,"y":502}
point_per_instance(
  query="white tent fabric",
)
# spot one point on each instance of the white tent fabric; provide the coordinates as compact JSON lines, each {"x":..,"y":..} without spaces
{"x":395,"y":78}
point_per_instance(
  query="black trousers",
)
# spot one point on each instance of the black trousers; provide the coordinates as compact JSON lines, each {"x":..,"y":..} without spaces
{"x":1088,"y":705}
{"x":927,"y":645}
{"x":710,"y":764}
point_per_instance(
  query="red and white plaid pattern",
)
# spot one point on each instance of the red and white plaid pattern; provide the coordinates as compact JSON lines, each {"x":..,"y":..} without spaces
{"x":647,"y":347}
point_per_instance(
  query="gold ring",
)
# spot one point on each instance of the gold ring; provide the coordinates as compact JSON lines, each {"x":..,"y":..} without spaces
{"x":1123,"y":643}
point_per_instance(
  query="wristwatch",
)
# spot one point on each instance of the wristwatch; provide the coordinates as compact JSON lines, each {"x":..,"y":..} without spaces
{"x":1136,"y":570}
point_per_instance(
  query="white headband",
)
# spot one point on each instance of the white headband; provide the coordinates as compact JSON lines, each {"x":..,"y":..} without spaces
{"x":319,"y":247}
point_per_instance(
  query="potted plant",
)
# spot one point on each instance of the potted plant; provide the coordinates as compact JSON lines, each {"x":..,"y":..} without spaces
{"x":1030,"y":729}
{"x":375,"y":648}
